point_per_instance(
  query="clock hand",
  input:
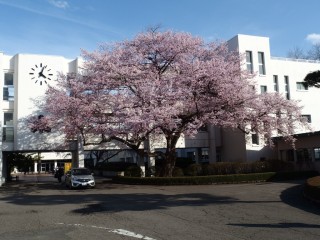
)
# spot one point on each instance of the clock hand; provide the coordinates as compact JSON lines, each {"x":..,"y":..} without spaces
{"x":41,"y":73}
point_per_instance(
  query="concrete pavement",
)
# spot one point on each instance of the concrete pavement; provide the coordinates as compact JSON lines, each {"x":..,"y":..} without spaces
{"x":264,"y":211}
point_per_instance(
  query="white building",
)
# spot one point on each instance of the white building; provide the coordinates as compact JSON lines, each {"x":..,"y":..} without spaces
{"x":285,"y":76}
{"x":24,"y":79}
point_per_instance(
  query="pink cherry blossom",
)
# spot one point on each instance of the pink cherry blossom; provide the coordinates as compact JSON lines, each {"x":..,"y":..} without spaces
{"x":164,"y":83}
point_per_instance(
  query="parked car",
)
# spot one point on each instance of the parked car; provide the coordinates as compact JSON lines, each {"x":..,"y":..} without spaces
{"x":79,"y":177}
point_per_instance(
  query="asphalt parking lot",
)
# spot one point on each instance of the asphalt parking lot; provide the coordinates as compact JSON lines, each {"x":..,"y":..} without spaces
{"x":38,"y":207}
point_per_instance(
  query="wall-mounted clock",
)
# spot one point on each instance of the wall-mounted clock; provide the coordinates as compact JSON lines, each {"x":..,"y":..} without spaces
{"x":41,"y":73}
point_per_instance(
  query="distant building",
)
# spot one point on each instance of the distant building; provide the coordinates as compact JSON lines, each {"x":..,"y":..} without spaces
{"x":24,"y":79}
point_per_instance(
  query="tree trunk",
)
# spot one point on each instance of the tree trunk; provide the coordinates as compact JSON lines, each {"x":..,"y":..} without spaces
{"x":169,"y":160}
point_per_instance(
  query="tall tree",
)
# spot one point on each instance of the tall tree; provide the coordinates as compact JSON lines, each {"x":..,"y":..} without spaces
{"x":296,"y":53}
{"x":314,"y":52}
{"x":164,"y":84}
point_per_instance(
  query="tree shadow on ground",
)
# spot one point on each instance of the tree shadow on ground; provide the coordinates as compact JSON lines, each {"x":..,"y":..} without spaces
{"x":293,"y":196}
{"x":276,"y":225}
{"x":90,"y":201}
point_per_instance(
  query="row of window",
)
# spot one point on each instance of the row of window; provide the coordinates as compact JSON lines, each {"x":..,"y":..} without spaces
{"x":8,"y":95}
{"x":255,"y":137}
{"x":261,"y":62}
{"x":303,"y":155}
{"x":301,"y":86}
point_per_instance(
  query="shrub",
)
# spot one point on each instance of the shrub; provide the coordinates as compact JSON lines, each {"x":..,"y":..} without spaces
{"x":239,"y":178}
{"x":153,"y":171}
{"x":215,"y":179}
{"x":133,"y":171}
{"x":177,"y":172}
{"x":114,"y":166}
{"x":183,"y":162}
{"x":193,"y":170}
{"x":275,"y":165}
{"x":220,"y":168}
{"x":259,"y":166}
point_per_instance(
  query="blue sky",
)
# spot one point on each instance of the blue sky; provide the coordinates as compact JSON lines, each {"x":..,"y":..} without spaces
{"x":63,"y":27}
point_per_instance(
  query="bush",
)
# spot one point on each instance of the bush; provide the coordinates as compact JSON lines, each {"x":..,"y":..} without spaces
{"x":153,"y":171}
{"x":183,"y":162}
{"x":239,"y":178}
{"x":216,"y":179}
{"x":275,"y":165}
{"x":193,"y":170}
{"x":177,"y":172}
{"x":220,"y":168}
{"x":114,"y":166}
{"x":133,"y":171}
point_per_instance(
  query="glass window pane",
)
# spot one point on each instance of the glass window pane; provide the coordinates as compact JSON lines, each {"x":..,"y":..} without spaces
{"x":249,"y":61}
{"x":308,"y":117}
{"x":317,"y":154}
{"x":8,"y":79}
{"x":260,"y":57}
{"x":5,"y":93}
{"x":263,"y":89}
{"x":301,"y":86}
{"x":255,"y":139}
{"x":248,"y":57}
{"x":262,"y":69}
{"x":7,"y":134}
{"x":8,"y":119}
{"x":8,"y":93}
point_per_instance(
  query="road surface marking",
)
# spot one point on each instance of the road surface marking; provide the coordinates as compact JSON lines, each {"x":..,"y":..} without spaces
{"x":116,"y":231}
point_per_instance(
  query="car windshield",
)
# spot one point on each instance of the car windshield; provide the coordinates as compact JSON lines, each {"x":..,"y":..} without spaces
{"x":81,"y":172}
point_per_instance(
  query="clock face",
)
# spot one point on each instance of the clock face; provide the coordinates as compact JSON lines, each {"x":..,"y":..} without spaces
{"x":41,"y":73}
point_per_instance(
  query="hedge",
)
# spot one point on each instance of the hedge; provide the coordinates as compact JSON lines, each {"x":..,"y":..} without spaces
{"x":215,"y":179}
{"x":114,"y":166}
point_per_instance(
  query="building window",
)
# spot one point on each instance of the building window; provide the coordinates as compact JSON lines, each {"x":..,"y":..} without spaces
{"x":249,"y":61}
{"x":316,"y":154}
{"x":275,"y":83}
{"x":8,"y":93}
{"x":262,"y":67}
{"x":263,"y":89}
{"x":7,"y":134}
{"x":8,"y":119}
{"x":8,"y":89}
{"x":302,"y":86}
{"x":308,"y":117}
{"x":8,"y":79}
{"x":254,"y":139}
{"x":287,"y":87}
{"x":303,"y":155}
{"x":287,"y":155}
{"x":204,"y":155}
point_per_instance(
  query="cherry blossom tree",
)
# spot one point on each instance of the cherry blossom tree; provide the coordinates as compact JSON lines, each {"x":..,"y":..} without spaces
{"x":165,"y":84}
